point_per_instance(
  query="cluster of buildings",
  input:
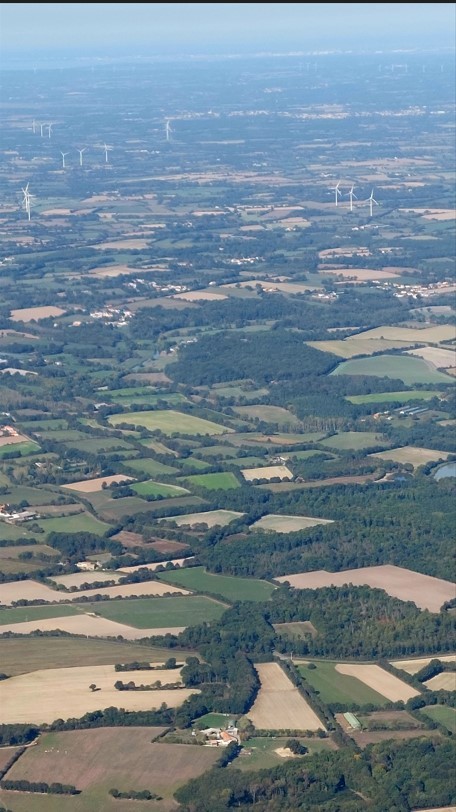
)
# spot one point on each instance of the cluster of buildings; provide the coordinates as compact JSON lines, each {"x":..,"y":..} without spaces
{"x":11,"y":516}
{"x":221,"y":737}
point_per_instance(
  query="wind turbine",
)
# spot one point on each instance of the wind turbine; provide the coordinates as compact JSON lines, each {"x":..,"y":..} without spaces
{"x":42,"y":126}
{"x":49,"y":126}
{"x":352,"y":197}
{"x":371,"y":200}
{"x":337,"y":192}
{"x":34,"y":126}
{"x":106,"y":149}
{"x":80,"y":154}
{"x":63,"y":154}
{"x":168,"y":129}
{"x":26,"y":200}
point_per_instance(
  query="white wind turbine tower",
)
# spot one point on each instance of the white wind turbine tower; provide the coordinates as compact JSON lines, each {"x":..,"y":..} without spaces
{"x":42,"y":126}
{"x":168,"y":129}
{"x":34,"y":126}
{"x":49,"y":126}
{"x":63,"y":154}
{"x":371,"y":200}
{"x":106,"y":149}
{"x":352,"y":197}
{"x":337,"y":192}
{"x":26,"y":200}
{"x":81,"y":151}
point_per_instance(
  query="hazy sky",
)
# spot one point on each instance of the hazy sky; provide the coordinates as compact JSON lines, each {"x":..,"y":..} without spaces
{"x":153,"y":28}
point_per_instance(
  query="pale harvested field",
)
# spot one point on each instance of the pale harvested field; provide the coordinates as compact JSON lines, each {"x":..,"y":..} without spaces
{"x":93,"y":485}
{"x":424,"y":590}
{"x":425,"y":335}
{"x":446,"y":681}
{"x":79,"y":578}
{"x":438,"y":809}
{"x":210,"y":517}
{"x":412,"y":454}
{"x":114,"y":270}
{"x":268,"y":472}
{"x":53,"y":212}
{"x":279,"y":705}
{"x":8,"y":440}
{"x":269,"y":285}
{"x":439,"y":357}
{"x":61,"y":693}
{"x":413,"y":666}
{"x":30,"y":313}
{"x":351,"y":347}
{"x":87,"y":625}
{"x":178,"y":562}
{"x":363,"y":274}
{"x":199,"y":296}
{"x":32,"y":590}
{"x":434,"y":214}
{"x":122,"y":245}
{"x":379,"y":680}
{"x":287,"y":524}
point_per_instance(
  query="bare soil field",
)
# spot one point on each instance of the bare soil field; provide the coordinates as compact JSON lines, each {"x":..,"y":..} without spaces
{"x":270,"y":286}
{"x":446,"y":681}
{"x":32,"y":590}
{"x":439,"y":357}
{"x":379,"y":680}
{"x":268,"y":472}
{"x":363,"y":274}
{"x":351,"y":347}
{"x":178,"y":562}
{"x":129,"y":539}
{"x":411,"y":454}
{"x":124,"y":758}
{"x":43,"y":696}
{"x":10,"y":440}
{"x":199,"y":296}
{"x":122,"y":245}
{"x":79,"y":578}
{"x":147,"y":377}
{"x":434,"y":214}
{"x":92,"y":485}
{"x":36,"y":313}
{"x":424,"y":590}
{"x":279,"y":705}
{"x":287,"y":524}
{"x":88,"y":625}
{"x":114,"y":270}
{"x":413,"y":666}
{"x":278,"y":487}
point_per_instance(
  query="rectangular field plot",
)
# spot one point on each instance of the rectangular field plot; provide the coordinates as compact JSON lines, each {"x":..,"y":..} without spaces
{"x":23,"y":449}
{"x":446,"y":681}
{"x":268,"y":472}
{"x":279,"y":705}
{"x":425,"y":335}
{"x":424,"y":590}
{"x":402,"y":367}
{"x":268,"y":414}
{"x":413,"y":455}
{"x":36,"y":313}
{"x":21,"y":655}
{"x":439,"y":357}
{"x":379,"y":680}
{"x":169,"y":422}
{"x":333,"y":686}
{"x":96,"y":760}
{"x":151,"y":467}
{"x":442,"y":714}
{"x":287,"y":524}
{"x":350,"y":348}
{"x":78,"y":578}
{"x":264,"y":753}
{"x":43,"y":696}
{"x":227,"y":586}
{"x":142,"y":613}
{"x":23,"y":614}
{"x":224,"y":481}
{"x":356,"y":440}
{"x":33,"y":590}
{"x":151,"y":488}
{"x":211,"y":518}
{"x":413,"y":666}
{"x":91,"y":485}
{"x":80,"y":523}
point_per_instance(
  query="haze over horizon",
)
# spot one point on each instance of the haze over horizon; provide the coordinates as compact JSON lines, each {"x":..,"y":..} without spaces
{"x":167,"y":29}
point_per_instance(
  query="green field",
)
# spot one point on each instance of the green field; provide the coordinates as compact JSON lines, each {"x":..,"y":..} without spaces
{"x":193,"y":464}
{"x":151,"y":467}
{"x":151,"y":488}
{"x":23,"y":613}
{"x":222,"y":481}
{"x":442,"y":714}
{"x":169,"y":422}
{"x":259,"y":752}
{"x":268,"y":414}
{"x":80,"y":523}
{"x":156,"y":613}
{"x":406,"y":368}
{"x":228,"y":586}
{"x":393,"y":397}
{"x":355,"y":440}
{"x":213,"y":720}
{"x":334,"y":687}
{"x":98,"y":444}
{"x":24,"y":654}
{"x":20,"y":449}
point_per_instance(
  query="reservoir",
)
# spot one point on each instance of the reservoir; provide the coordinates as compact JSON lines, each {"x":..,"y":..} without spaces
{"x":444,"y":471}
